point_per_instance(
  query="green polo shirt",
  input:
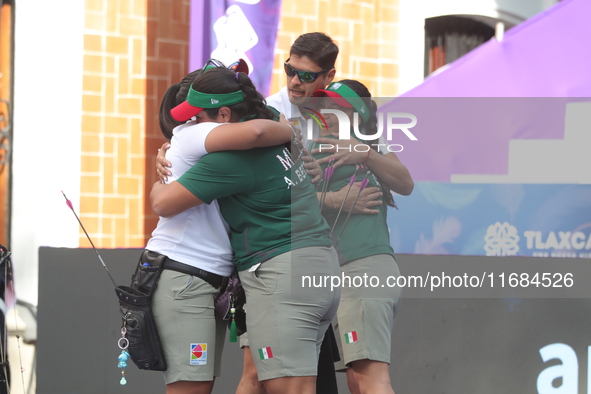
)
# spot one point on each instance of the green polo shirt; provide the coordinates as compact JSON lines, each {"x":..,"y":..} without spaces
{"x":363,"y":235}
{"x":267,"y":200}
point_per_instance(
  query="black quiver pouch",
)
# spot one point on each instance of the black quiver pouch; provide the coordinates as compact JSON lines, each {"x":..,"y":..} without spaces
{"x":145,"y":347}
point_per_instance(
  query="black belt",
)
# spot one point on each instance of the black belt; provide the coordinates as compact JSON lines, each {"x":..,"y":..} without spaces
{"x":213,"y":279}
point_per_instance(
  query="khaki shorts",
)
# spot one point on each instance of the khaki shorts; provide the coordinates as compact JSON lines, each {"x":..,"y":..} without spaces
{"x":243,"y":339}
{"x":285,"y":327}
{"x":363,"y":325}
{"x":193,"y":339}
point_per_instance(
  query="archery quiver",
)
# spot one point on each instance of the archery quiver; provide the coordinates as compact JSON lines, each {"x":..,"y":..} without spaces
{"x":145,"y":347}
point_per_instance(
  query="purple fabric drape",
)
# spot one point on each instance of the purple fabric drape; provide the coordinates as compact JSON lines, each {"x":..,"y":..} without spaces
{"x":232,"y":29}
{"x":546,"y":56}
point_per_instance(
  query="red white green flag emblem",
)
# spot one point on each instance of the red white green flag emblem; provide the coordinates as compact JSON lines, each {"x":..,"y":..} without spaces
{"x":265,"y":353}
{"x":351,"y":337}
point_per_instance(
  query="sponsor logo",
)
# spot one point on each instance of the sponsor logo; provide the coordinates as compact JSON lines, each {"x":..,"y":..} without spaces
{"x":562,"y":370}
{"x":503,"y":239}
{"x":198,"y":354}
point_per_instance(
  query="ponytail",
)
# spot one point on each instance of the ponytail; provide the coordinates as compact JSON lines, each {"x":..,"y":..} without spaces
{"x":370,"y":127}
{"x":175,"y":95}
{"x":165,"y":119}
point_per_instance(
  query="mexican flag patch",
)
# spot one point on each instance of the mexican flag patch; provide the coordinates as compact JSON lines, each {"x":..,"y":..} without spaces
{"x":265,"y":353}
{"x":351,"y":337}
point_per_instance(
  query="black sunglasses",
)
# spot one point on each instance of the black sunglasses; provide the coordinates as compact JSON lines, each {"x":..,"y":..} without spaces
{"x":214,"y":63}
{"x":304,"y":76}
{"x":211,"y":63}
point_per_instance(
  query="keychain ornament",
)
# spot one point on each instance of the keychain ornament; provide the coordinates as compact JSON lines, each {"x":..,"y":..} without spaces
{"x":123,"y":344}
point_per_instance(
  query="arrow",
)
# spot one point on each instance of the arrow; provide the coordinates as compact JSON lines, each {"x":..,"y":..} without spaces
{"x":327,"y":174}
{"x":351,"y":182}
{"x":69,"y":203}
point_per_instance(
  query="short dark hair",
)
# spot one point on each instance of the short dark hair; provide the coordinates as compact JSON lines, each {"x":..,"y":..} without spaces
{"x":318,"y":47}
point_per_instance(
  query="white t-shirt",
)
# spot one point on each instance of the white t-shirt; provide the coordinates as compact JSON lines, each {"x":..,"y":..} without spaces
{"x":198,"y":236}
{"x":280,"y":101}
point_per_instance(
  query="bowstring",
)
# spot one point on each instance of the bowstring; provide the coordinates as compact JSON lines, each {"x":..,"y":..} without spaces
{"x":5,"y":339}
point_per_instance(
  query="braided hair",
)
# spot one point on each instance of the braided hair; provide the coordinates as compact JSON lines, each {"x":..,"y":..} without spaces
{"x":222,"y":80}
{"x":369,"y":127}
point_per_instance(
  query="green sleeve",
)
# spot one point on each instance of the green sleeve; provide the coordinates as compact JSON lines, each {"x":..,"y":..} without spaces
{"x":218,"y":175}
{"x":276,"y":113}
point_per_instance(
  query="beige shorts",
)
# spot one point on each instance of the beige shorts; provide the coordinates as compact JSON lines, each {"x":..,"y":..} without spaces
{"x":363,"y":326}
{"x":193,"y":339}
{"x":243,"y":339}
{"x":286,"y":326}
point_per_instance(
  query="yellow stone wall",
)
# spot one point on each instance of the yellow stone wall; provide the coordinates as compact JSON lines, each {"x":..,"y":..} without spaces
{"x":365,"y":31}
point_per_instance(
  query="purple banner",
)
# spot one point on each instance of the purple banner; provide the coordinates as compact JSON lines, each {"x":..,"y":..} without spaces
{"x":488,"y":136}
{"x":545,"y":56}
{"x":500,"y":159}
{"x":233,"y":29}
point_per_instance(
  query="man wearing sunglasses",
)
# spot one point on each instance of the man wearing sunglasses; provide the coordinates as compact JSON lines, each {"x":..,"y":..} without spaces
{"x":310,"y":67}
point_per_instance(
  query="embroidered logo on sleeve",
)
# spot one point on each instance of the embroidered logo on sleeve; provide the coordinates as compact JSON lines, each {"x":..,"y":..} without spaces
{"x":198,"y":354}
{"x":265,"y":353}
{"x":351,"y":337}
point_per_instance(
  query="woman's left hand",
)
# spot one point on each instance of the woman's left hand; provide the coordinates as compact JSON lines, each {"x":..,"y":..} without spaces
{"x":297,"y":138}
{"x":312,"y":166}
{"x":163,"y":165}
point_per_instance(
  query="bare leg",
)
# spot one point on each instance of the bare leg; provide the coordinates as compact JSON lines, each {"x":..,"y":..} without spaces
{"x":249,"y":382}
{"x":291,"y":385}
{"x":188,"y":387}
{"x":369,"y":377}
{"x":352,"y":382}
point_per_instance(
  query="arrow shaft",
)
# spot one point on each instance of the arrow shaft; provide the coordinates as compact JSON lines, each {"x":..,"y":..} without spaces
{"x":69,"y":203}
